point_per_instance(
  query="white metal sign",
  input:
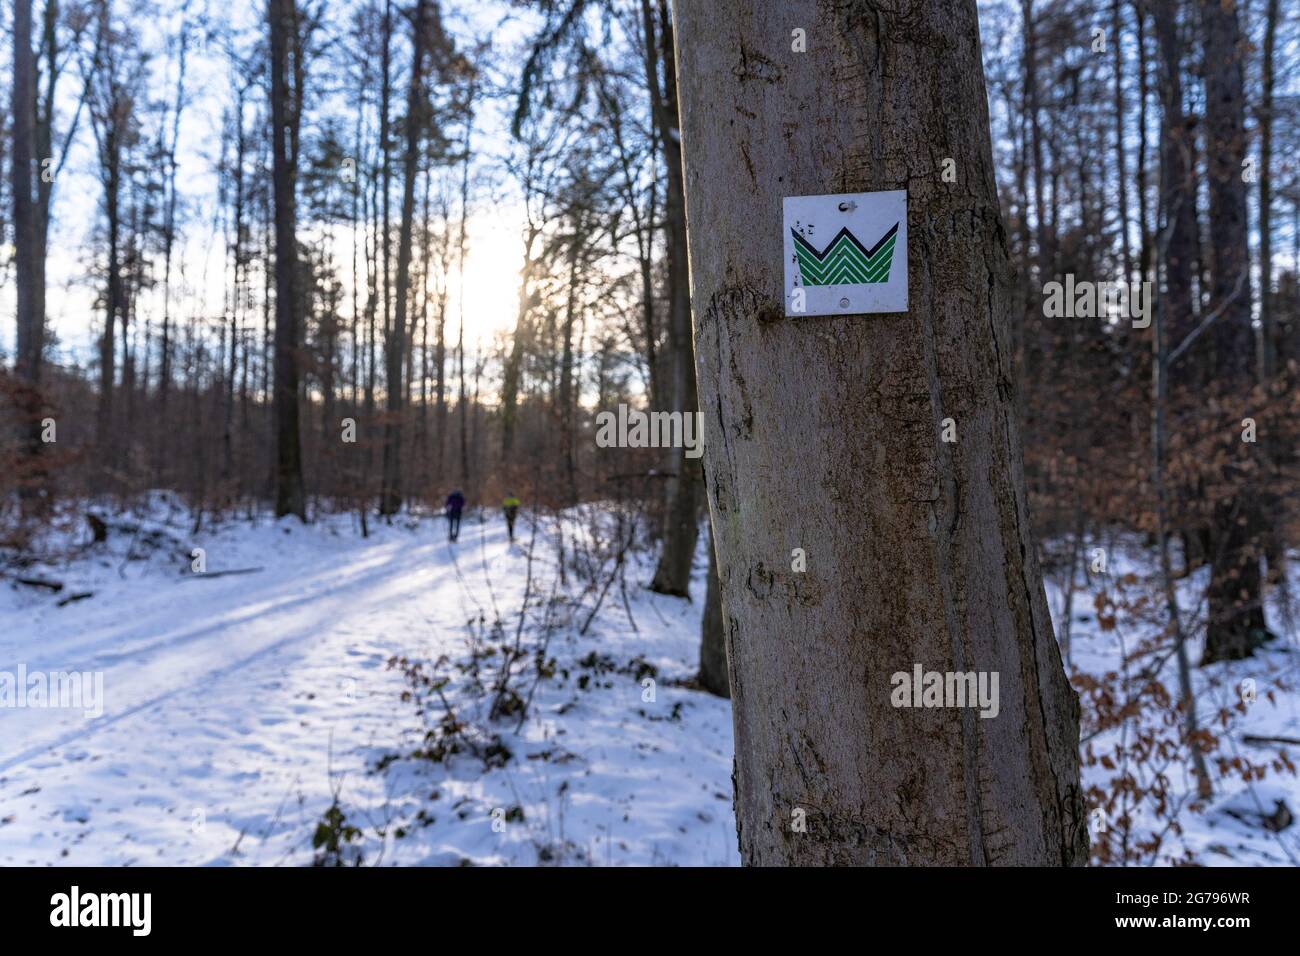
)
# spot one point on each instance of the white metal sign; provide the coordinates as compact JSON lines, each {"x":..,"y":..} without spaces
{"x":845,"y":254}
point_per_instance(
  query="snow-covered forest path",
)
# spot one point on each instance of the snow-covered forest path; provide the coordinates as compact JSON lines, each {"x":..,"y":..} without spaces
{"x":238,"y":709}
{"x":235,"y":707}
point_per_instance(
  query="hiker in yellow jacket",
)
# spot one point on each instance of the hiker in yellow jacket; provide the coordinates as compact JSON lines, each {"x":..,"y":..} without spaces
{"x":511,"y":507}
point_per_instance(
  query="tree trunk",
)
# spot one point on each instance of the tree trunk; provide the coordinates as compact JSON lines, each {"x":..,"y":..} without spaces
{"x":1177,"y":183}
{"x":391,"y":499}
{"x":1140,"y":10}
{"x":1121,"y":162}
{"x":440,"y":388}
{"x":567,"y":396}
{"x":1279,"y":458}
{"x":1268,"y":343}
{"x":460,"y":265}
{"x":673,"y":573}
{"x":823,"y":434}
{"x":169,"y":235}
{"x":1235,"y":623}
{"x":713,"y":642}
{"x":289,"y":499}
{"x":28,"y":247}
{"x":510,"y":375}
{"x":113,"y":298}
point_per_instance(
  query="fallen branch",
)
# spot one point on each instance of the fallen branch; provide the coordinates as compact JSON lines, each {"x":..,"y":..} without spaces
{"x":1262,"y":741}
{"x":55,"y":586}
{"x":72,"y":598}
{"x":217,"y":574}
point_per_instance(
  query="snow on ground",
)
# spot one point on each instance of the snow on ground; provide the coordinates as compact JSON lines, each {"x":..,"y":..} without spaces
{"x":1226,"y":831}
{"x":237,"y":708}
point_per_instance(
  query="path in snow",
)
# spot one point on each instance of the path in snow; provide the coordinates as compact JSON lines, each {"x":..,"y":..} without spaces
{"x":235,"y":707}
{"x":221,"y":695}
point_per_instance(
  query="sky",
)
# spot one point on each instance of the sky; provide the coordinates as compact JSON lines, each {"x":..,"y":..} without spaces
{"x":494,"y":248}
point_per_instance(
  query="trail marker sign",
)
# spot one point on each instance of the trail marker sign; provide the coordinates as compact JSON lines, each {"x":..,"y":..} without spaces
{"x":845,"y":254}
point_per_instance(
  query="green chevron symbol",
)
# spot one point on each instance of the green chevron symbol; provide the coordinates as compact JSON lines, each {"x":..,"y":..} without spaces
{"x":845,"y":261}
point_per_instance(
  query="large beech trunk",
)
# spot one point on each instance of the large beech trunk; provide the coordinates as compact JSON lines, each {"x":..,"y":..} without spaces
{"x":825,"y":434}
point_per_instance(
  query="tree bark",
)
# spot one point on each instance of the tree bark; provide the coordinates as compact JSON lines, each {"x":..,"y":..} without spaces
{"x":1121,"y":161}
{"x":510,"y":376}
{"x":283,"y":16}
{"x":111,"y":161}
{"x":673,"y":573}
{"x":28,"y":246}
{"x":713,"y":641}
{"x":1235,"y":623}
{"x":1269,"y":344}
{"x":391,"y":498}
{"x":1177,"y":182}
{"x":825,"y":434}
{"x":460,"y":265}
{"x":567,"y":395}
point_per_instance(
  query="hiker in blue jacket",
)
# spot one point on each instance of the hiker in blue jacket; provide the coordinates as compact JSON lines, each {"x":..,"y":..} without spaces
{"x":455,"y":505}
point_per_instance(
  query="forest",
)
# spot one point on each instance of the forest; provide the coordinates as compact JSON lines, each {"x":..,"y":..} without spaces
{"x":289,"y":286}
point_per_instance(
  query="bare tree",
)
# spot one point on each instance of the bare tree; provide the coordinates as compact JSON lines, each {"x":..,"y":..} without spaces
{"x":681,"y":531}
{"x":713,"y":641}
{"x":27,"y":240}
{"x":396,"y":347}
{"x":1236,"y":622}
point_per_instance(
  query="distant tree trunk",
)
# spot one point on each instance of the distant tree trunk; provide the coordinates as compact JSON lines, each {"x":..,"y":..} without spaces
{"x":567,"y":395}
{"x":385,"y":178}
{"x":372,"y":295}
{"x":673,"y":573}
{"x":44,"y":182}
{"x":462,"y":401}
{"x":713,"y":642}
{"x":825,"y":434}
{"x":1175,"y":248}
{"x":1275,"y":543}
{"x":1235,"y":624}
{"x":645,"y":227}
{"x":1268,"y":343}
{"x":1159,"y":400}
{"x":440,"y":389}
{"x":169,"y":233}
{"x":1140,"y":11}
{"x":1177,"y":184}
{"x":514,"y":360}
{"x":1036,"y":139}
{"x":28,"y":250}
{"x":285,"y":109}
{"x":391,"y":498}
{"x":356,"y":227}
{"x":111,"y":159}
{"x":460,"y":262}
{"x":237,"y":299}
{"x":426,"y":255}
{"x":1121,"y":163}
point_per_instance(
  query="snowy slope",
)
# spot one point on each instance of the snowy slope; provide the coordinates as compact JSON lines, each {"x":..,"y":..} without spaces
{"x":1226,"y":831}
